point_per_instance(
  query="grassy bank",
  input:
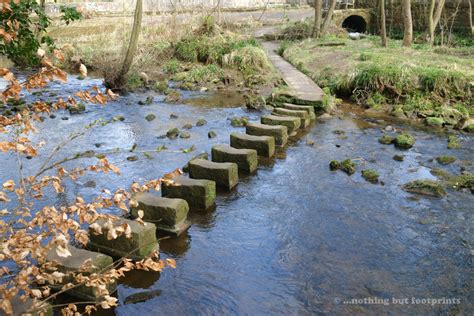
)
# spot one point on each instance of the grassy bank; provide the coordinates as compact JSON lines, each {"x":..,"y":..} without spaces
{"x":432,"y":84}
{"x":194,"y":51}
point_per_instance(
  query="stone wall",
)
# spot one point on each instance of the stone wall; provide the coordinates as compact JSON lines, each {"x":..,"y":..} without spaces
{"x":119,"y":6}
{"x":419,"y":9}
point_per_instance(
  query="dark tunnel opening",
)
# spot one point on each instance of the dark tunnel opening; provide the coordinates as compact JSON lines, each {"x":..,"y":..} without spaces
{"x":355,"y":23}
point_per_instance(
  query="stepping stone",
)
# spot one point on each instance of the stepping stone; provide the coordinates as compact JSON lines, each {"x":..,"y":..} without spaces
{"x":200,"y":194}
{"x":86,"y":262}
{"x":307,"y":108}
{"x":23,"y":307}
{"x":142,"y":243}
{"x":246,"y":159}
{"x":303,"y":115}
{"x":264,"y":145}
{"x":224,"y":174}
{"x":169,"y":215}
{"x":292,"y":123}
{"x":279,"y":132}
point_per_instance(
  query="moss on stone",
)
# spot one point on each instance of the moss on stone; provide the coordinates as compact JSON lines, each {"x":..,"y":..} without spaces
{"x":386,"y":139}
{"x":425,"y":187}
{"x":398,"y":157}
{"x":453,"y":142}
{"x":434,"y":121}
{"x":445,"y":160}
{"x":404,"y":141}
{"x":334,"y":165}
{"x":464,"y":181}
{"x":370,"y":175}
{"x":348,"y":166}
{"x":150,"y":117}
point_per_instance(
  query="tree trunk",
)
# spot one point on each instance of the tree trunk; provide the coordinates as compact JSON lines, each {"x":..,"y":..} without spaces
{"x":383,"y":28}
{"x":407,"y":23}
{"x":431,"y":28}
{"x":433,"y":18}
{"x":118,"y":81}
{"x":328,"y":18}
{"x":470,"y":18}
{"x":317,"y":18}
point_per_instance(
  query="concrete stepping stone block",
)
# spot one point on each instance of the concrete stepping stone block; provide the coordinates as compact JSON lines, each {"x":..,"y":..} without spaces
{"x":85,"y":262}
{"x":246,"y":159}
{"x":200,"y":194}
{"x":303,"y":115}
{"x":291,"y":122}
{"x":307,"y":108}
{"x":142,"y":243}
{"x":279,"y":132}
{"x":264,"y":145}
{"x":224,"y":174}
{"x":23,"y":307}
{"x":169,"y":215}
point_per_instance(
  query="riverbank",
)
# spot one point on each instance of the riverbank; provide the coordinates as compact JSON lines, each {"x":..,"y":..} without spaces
{"x":433,"y":85}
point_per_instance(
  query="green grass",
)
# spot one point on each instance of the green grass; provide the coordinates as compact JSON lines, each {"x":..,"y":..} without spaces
{"x":419,"y":79}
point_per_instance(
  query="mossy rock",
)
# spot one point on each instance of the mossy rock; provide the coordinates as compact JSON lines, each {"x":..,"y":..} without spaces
{"x":211,"y":134}
{"x":386,"y":139}
{"x":404,"y":141}
{"x":464,"y":181}
{"x":201,"y":122}
{"x":172,"y":96}
{"x":239,"y":121}
{"x":161,"y":86}
{"x":148,"y":101}
{"x":150,"y":117}
{"x":453,"y":142}
{"x":78,"y":109}
{"x":348,"y":166}
{"x":184,"y":134}
{"x":398,"y":157}
{"x":445,"y":160}
{"x":370,"y":175}
{"x":334,"y":165}
{"x":425,"y":187}
{"x":434,"y":121}
{"x":172,"y":133}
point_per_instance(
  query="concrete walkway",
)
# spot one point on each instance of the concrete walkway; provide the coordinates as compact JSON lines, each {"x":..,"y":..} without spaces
{"x":303,"y":87}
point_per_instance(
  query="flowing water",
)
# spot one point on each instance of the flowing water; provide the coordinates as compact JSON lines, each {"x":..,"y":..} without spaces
{"x":296,"y":238}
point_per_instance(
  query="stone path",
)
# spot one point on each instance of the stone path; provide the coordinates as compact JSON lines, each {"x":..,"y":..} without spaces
{"x":304,"y":88}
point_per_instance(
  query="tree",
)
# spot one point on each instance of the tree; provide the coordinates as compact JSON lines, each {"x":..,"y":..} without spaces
{"x":328,"y":18}
{"x":317,"y":18}
{"x":119,"y":79}
{"x":407,"y":23}
{"x":433,"y":18}
{"x":22,"y":48}
{"x":383,"y":28}
{"x":470,"y":18}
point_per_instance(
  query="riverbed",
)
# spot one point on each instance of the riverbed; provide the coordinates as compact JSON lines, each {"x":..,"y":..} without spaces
{"x":295,"y":238}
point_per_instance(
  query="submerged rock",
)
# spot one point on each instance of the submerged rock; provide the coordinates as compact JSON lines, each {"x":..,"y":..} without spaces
{"x":370,"y":175}
{"x":211,"y":134}
{"x":445,"y":160}
{"x":187,"y":126}
{"x":348,"y":166}
{"x":386,"y":140}
{"x":78,"y":109}
{"x":425,"y":187}
{"x":132,"y":158}
{"x":201,"y":122}
{"x":173,"y":116}
{"x":399,"y":157}
{"x":172,"y":133}
{"x":150,"y":117}
{"x":404,"y":141}
{"x":184,"y":134}
{"x":239,"y":121}
{"x":149,"y":100}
